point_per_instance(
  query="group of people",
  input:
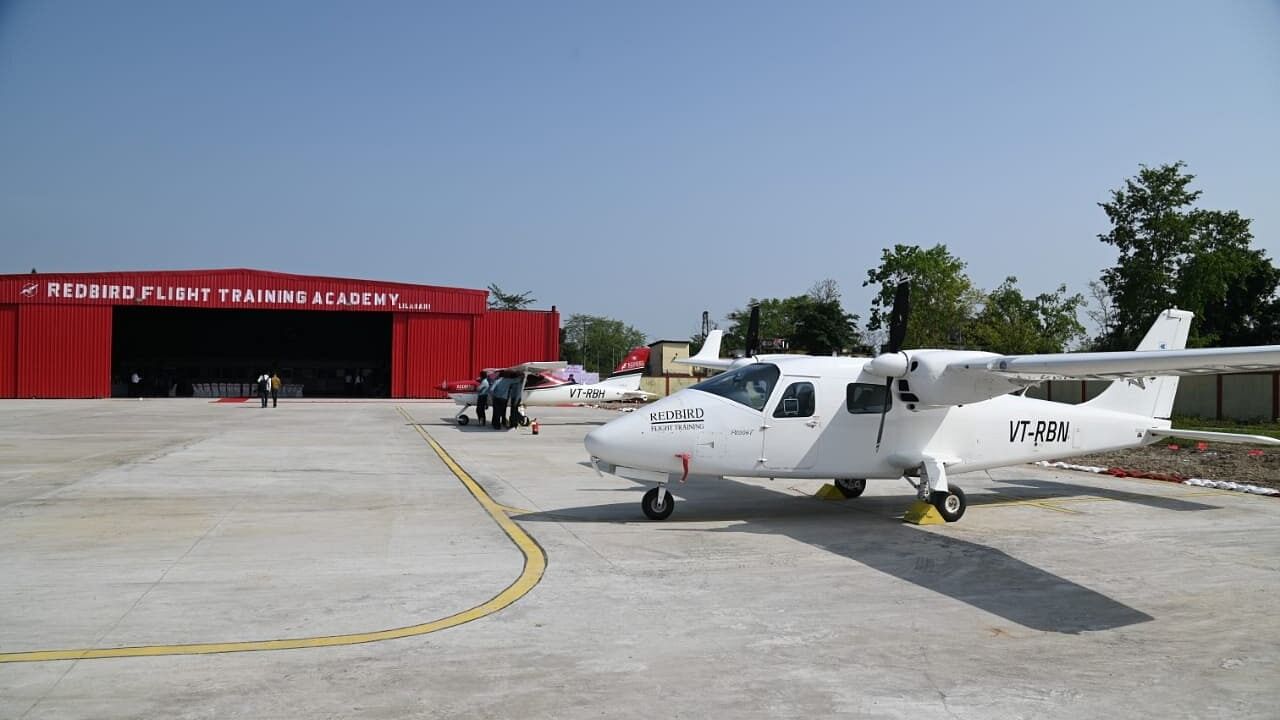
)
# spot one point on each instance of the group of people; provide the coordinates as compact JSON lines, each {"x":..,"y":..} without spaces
{"x":504,"y":392}
{"x":269,"y":384}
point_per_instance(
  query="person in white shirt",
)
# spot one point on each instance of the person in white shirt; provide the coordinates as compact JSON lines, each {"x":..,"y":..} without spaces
{"x":264,"y":387}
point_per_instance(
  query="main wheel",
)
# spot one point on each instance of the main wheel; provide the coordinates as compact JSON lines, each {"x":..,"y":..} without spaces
{"x":851,"y":487}
{"x":950,"y":504}
{"x":463,"y":419}
{"x":656,"y":509}
{"x":524,"y":421}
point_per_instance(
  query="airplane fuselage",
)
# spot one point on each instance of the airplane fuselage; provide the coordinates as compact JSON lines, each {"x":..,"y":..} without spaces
{"x":566,"y":395}
{"x":810,"y":424}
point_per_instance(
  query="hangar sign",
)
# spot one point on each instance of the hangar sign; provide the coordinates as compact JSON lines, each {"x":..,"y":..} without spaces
{"x":225,"y":296}
{"x":237,"y":289}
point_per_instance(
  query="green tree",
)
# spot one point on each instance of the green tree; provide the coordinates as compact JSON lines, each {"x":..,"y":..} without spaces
{"x":943,"y":299}
{"x":815,"y":322}
{"x":597,"y":343}
{"x":1012,"y":324}
{"x":499,"y":300}
{"x":1172,"y":254}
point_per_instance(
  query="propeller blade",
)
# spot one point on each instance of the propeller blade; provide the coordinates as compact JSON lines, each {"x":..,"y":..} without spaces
{"x":898,"y":317}
{"x":884,"y":410}
{"x":753,"y":332}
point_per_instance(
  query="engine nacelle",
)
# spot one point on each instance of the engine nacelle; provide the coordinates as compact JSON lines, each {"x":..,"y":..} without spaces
{"x":925,"y":378}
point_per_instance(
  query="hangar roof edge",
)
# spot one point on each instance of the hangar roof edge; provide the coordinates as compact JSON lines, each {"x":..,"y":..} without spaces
{"x":240,"y":270}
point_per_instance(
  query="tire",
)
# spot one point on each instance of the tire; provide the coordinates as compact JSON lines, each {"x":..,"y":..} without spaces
{"x":463,"y":419}
{"x":950,"y":504}
{"x":524,"y":421}
{"x":851,"y":487}
{"x":655,"y":511}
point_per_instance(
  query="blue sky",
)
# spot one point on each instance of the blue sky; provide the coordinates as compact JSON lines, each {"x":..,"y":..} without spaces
{"x":642,"y":161}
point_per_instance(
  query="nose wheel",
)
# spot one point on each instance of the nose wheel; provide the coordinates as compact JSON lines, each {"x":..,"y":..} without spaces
{"x":657,"y":504}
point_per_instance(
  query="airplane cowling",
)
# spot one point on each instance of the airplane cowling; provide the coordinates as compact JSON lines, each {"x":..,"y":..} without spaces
{"x":930,"y":381}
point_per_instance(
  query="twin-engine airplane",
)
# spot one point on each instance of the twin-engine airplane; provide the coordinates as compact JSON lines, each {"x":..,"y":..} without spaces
{"x":904,"y":414}
{"x":542,"y":387}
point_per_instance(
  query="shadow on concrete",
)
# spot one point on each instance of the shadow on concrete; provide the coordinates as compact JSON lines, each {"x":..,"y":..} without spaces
{"x":1037,"y":489}
{"x":869,"y":531}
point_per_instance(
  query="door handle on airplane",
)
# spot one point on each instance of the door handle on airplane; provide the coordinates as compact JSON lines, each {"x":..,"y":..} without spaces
{"x":812,"y":423}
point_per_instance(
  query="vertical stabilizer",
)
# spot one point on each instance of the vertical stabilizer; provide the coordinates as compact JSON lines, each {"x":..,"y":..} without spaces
{"x":1154,"y":397}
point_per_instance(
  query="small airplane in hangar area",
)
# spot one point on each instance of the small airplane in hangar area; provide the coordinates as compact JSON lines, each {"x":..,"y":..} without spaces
{"x":542,"y":387}
{"x":906,"y":413}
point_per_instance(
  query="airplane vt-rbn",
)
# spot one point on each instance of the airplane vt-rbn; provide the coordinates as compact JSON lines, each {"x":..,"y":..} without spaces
{"x":923,"y":414}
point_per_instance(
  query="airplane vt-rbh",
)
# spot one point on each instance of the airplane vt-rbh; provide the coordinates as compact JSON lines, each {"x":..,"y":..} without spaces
{"x":913,"y":413}
{"x":541,"y":387}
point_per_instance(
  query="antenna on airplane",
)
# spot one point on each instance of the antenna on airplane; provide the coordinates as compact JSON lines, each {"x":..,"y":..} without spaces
{"x":898,"y":317}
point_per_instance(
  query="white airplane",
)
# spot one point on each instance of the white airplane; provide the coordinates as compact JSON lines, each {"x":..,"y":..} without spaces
{"x":543,"y":388}
{"x":903,"y":414}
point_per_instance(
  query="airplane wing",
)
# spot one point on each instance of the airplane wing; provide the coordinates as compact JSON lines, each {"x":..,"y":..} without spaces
{"x":534,"y":367}
{"x":1130,"y":364}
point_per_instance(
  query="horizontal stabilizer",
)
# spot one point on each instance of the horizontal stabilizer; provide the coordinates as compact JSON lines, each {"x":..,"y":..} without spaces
{"x":1231,"y":438}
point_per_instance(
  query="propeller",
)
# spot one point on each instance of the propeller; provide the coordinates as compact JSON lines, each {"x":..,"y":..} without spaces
{"x":753,"y":332}
{"x":898,"y":316}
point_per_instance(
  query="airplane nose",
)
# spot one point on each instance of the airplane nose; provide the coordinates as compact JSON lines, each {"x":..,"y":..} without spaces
{"x":602,"y":442}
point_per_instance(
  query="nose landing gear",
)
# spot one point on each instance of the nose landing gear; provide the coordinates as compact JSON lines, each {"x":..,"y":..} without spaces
{"x":658,"y":504}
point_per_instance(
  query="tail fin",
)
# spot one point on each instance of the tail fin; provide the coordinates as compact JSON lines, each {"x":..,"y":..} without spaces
{"x":634,"y":363}
{"x":709,"y":355}
{"x":1154,"y":396}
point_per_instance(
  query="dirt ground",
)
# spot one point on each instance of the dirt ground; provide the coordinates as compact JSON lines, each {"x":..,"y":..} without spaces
{"x":1214,"y":462}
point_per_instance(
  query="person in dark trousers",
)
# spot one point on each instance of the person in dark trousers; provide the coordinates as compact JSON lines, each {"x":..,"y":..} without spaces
{"x":482,"y":397}
{"x":498,"y":394}
{"x":515,"y":394}
{"x":276,"y":384}
{"x":264,"y":387}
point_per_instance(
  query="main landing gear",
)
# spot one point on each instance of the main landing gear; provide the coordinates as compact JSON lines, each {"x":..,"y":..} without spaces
{"x":462,"y":418}
{"x":934,"y":489}
{"x":851,"y":487}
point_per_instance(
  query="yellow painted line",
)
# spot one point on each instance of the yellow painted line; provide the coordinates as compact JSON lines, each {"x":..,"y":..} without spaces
{"x":535,"y":563}
{"x":1044,"y":504}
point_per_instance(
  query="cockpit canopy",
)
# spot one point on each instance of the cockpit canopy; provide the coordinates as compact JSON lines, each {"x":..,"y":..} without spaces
{"x":750,"y":385}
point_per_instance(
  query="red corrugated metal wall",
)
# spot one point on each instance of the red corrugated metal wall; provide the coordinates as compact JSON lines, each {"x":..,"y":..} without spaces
{"x":435,"y":348}
{"x":64,"y":351}
{"x":8,"y":351}
{"x":510,"y":337}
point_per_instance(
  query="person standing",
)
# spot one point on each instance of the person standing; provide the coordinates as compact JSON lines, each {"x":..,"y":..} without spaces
{"x":276,"y":384}
{"x":515,"y":395}
{"x":498,"y":395}
{"x":482,"y":397}
{"x":264,"y":386}
{"x":135,"y":385}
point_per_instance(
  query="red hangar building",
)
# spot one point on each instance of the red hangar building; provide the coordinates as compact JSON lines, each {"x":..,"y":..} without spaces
{"x":84,"y":335}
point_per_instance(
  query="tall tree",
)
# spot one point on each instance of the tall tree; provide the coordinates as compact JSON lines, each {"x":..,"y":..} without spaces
{"x":815,"y":322}
{"x":1172,"y":254}
{"x":942,"y":297}
{"x":1012,"y":324}
{"x":500,"y":300}
{"x":597,"y":343}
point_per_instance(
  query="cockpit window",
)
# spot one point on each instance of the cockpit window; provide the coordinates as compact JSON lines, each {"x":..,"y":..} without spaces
{"x":796,"y":401}
{"x":750,"y":385}
{"x":867,"y":398}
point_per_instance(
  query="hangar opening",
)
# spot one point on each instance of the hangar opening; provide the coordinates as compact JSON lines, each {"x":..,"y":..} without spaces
{"x":186,"y":351}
